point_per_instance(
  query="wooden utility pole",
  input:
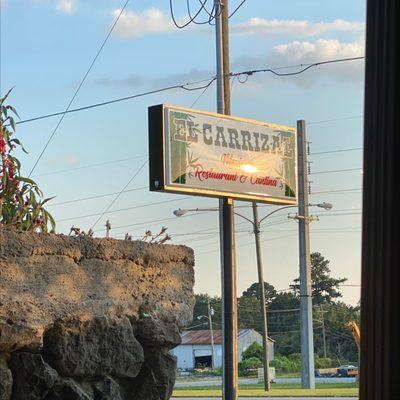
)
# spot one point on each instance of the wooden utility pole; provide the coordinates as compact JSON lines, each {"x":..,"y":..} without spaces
{"x":227,"y":229}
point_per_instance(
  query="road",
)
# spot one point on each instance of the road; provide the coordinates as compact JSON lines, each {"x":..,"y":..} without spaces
{"x":217,"y":381}
{"x":271,"y":398}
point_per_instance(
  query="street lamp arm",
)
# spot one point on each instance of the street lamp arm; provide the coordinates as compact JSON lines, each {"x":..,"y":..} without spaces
{"x":247,"y":219}
{"x":278,"y":209}
{"x":326,"y":206}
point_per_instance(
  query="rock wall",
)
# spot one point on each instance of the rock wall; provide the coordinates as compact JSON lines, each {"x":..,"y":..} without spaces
{"x":90,"y":319}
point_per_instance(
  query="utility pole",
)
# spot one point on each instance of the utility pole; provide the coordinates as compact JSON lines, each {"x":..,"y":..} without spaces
{"x":323,"y":330}
{"x":306,"y":320}
{"x":227,"y":230}
{"x":210,"y":315}
{"x":256,"y":226}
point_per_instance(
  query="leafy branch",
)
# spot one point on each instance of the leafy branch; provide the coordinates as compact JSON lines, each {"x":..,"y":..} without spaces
{"x":21,"y":200}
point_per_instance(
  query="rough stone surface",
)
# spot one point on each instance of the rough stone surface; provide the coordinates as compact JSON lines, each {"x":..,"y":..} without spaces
{"x":45,"y":277}
{"x":90,"y":319}
{"x":157,"y":378}
{"x":67,"y":390}
{"x":99,"y":346}
{"x":33,"y":378}
{"x":6,"y":383}
{"x":107,"y":389}
{"x":154,"y":332}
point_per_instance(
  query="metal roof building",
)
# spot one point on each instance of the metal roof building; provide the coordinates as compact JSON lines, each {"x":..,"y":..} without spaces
{"x":195,"y":351}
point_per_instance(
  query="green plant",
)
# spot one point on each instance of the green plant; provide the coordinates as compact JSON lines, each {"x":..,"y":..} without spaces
{"x":291,"y":363}
{"x":249,"y":366}
{"x":323,"y":362}
{"x":21,"y":200}
{"x":255,"y":350}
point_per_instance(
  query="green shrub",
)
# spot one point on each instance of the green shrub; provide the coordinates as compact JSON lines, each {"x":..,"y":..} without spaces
{"x":292,"y":363}
{"x":255,"y":350}
{"x":249,"y":366}
{"x":324,"y":362}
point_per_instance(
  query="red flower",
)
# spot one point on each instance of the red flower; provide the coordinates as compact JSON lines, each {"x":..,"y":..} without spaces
{"x":2,"y":145}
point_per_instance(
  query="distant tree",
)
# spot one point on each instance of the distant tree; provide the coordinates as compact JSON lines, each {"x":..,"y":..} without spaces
{"x":201,"y":308}
{"x":249,"y":315}
{"x":284,"y":323}
{"x":325,"y":289}
{"x":285,"y":301}
{"x":254,"y":290}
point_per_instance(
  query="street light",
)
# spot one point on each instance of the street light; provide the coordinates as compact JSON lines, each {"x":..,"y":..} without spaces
{"x":256,"y":223}
{"x":210,"y":315}
{"x":181,"y":212}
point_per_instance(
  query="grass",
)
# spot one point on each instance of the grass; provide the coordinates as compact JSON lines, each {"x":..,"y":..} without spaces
{"x":288,"y":390}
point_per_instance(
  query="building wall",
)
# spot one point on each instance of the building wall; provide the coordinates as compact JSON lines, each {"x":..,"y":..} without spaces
{"x":186,"y":353}
{"x":249,"y":338}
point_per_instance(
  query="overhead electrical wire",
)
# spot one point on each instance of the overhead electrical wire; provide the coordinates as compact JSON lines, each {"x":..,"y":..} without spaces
{"x":99,"y":196}
{"x":191,"y":18}
{"x":334,"y":171}
{"x":62,"y":171}
{"x":237,"y":9}
{"x":304,"y":67}
{"x":334,"y":119}
{"x":211,"y":14}
{"x":119,"y":194}
{"x":117,"y":100}
{"x":335,"y":151}
{"x":79,"y":87}
{"x":186,"y":86}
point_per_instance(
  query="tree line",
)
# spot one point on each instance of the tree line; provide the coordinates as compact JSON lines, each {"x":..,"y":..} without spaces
{"x":330,"y":315}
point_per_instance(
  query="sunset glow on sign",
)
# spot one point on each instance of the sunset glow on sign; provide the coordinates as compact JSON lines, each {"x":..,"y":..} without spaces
{"x":216,"y":155}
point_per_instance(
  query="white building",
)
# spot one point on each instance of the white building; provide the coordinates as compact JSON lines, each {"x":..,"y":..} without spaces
{"x":195,"y":349}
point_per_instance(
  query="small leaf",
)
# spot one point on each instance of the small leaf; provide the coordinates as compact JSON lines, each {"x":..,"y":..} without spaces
{"x":13,"y":110}
{"x":3,"y":98}
{"x":47,"y":200}
{"x":12,"y":123}
{"x":26,"y":180}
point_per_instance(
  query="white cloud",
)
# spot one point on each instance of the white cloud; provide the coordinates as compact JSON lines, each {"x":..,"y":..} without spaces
{"x":66,"y":6}
{"x":292,"y":26}
{"x":305,"y":52}
{"x":133,"y":24}
{"x":319,"y":50}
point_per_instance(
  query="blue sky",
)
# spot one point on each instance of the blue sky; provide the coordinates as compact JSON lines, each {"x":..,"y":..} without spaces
{"x":47,"y":45}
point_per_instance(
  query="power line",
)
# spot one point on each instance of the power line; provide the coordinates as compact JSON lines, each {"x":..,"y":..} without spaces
{"x":119,"y":194}
{"x":335,"y":119}
{"x":338,"y":191}
{"x":304,"y":67}
{"x":88,"y":166}
{"x":201,"y":94}
{"x":105,"y":103}
{"x":336,"y":171}
{"x":211,"y":14}
{"x":336,"y":151}
{"x":186,"y":86}
{"x":237,"y":9}
{"x":122,"y":209}
{"x":191,"y":19}
{"x":96,"y":197}
{"x":78,"y":88}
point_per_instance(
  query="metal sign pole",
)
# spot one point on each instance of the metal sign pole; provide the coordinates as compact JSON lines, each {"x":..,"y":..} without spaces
{"x":306,"y":321}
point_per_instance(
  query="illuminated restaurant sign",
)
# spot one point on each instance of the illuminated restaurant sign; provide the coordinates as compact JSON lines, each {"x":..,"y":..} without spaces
{"x":208,"y":154}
